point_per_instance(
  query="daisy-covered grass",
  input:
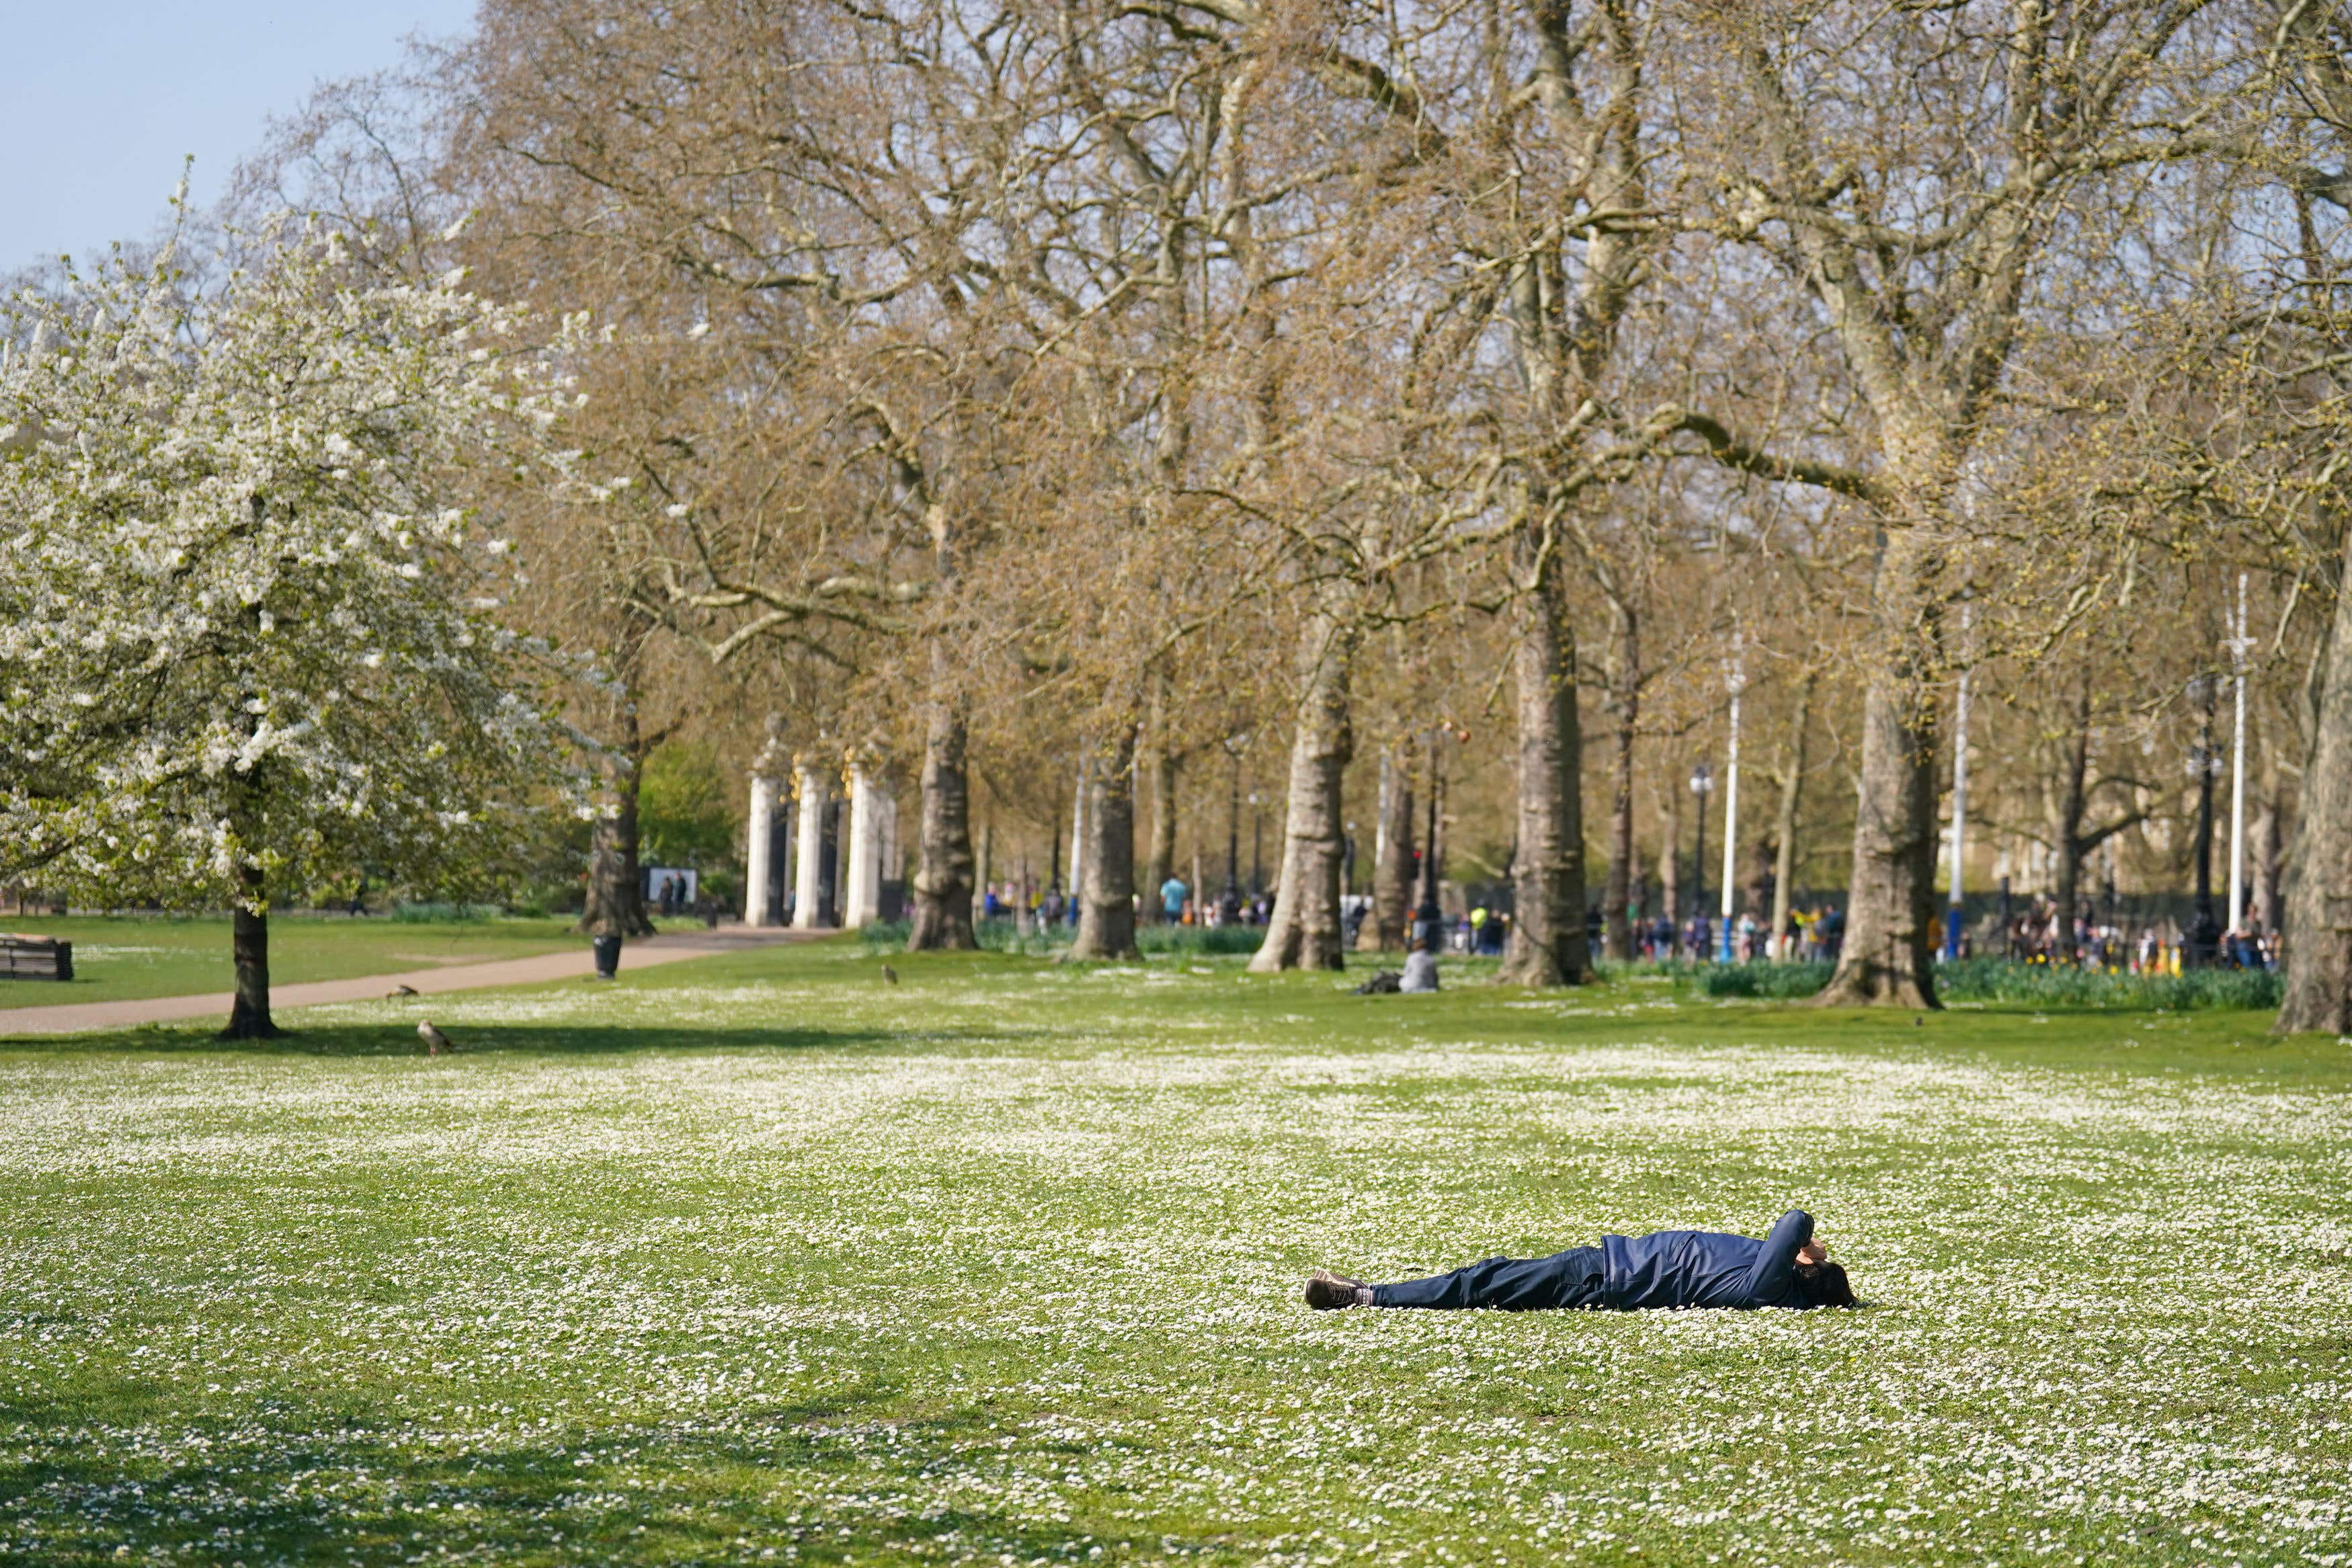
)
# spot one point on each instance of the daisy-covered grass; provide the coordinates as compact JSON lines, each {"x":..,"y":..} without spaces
{"x":761,"y":1259}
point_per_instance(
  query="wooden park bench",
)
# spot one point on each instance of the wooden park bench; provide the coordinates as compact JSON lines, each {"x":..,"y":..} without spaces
{"x":26,"y":958}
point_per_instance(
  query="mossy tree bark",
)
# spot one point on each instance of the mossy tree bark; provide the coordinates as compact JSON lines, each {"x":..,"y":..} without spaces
{"x":2319,"y":892}
{"x":1306,"y":931}
{"x":1548,"y":945}
{"x":2267,"y":900}
{"x":1385,"y":927}
{"x":615,"y":904}
{"x":1106,"y":901}
{"x":1625,"y":712}
{"x":249,"y":1017}
{"x":249,"y":1013}
{"x":1157,"y":764}
{"x":1670,"y":849}
{"x":944,"y":865}
{"x":1887,"y":959}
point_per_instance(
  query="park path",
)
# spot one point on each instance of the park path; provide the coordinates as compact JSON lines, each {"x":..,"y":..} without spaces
{"x":669,"y":948}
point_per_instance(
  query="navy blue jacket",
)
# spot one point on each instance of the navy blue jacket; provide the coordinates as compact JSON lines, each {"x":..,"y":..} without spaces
{"x":1705,"y":1267}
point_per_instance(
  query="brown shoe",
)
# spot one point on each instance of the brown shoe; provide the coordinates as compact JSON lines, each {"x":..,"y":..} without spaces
{"x":1326,"y":1292}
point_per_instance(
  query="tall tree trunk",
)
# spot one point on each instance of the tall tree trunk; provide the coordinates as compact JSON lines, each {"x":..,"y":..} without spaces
{"x":988,"y":856}
{"x":943,"y":857}
{"x":1306,"y":931}
{"x":2267,"y":900}
{"x":2319,"y":894}
{"x":1670,"y":852}
{"x":2068,"y":844}
{"x":1053,"y":865}
{"x":1082,"y":803}
{"x":1784,"y":828}
{"x":2261,"y":898}
{"x":1106,"y":901}
{"x":1886,"y":960}
{"x":1548,"y":937}
{"x":248,"y":1015}
{"x":1616,"y":927}
{"x":1158,"y":769}
{"x":616,"y":902}
{"x":1428,"y":891}
{"x":1385,"y":927}
{"x":2067,"y":891}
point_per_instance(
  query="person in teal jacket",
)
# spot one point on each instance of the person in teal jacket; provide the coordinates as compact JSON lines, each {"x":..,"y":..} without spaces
{"x":1666,"y":1268}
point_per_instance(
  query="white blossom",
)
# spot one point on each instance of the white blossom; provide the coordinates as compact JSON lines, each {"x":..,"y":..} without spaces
{"x":236,"y":616}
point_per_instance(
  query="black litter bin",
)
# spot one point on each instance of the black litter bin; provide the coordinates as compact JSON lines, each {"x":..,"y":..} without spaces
{"x":608,"y":955}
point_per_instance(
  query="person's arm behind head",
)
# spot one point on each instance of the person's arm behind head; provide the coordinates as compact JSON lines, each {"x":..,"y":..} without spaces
{"x":1776,"y":1265}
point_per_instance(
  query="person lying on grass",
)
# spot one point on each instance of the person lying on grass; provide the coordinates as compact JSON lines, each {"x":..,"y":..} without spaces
{"x":1625,"y":1273}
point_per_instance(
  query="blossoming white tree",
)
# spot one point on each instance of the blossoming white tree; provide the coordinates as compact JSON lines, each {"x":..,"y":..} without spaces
{"x":245,"y":633}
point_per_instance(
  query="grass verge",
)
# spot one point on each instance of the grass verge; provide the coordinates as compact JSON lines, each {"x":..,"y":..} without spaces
{"x":118,"y":957}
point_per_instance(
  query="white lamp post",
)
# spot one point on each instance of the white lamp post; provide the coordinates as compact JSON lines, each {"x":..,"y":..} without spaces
{"x":2239,"y":646}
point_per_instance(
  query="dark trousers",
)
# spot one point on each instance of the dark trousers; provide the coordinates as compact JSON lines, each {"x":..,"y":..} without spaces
{"x":1570,"y":1279}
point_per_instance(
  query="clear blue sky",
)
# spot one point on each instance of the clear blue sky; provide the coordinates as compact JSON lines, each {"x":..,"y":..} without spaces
{"x":99,"y":99}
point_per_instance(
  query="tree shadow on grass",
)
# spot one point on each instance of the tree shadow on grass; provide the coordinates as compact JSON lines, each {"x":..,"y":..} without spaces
{"x":830,"y":1481}
{"x":398,"y":1037}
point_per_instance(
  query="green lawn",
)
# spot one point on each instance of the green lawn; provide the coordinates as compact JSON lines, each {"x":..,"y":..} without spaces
{"x":760,"y":1259}
{"x":118,"y":957}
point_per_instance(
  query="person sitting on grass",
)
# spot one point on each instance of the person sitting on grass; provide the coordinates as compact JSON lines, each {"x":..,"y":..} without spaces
{"x":1625,"y":1273}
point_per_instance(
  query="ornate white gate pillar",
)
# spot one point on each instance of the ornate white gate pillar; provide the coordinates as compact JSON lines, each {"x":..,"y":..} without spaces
{"x":807,"y":884}
{"x":861,"y":902}
{"x":762,"y":833}
{"x":768,"y":850}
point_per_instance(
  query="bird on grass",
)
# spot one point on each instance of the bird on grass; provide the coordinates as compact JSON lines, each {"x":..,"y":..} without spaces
{"x":889,"y":976}
{"x":397,"y":992}
{"x":436,"y":1042}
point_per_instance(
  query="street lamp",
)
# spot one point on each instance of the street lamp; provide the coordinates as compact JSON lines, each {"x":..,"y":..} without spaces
{"x":1702,"y":781}
{"x":1955,"y":907}
{"x":2205,"y":763}
{"x":2239,"y":646}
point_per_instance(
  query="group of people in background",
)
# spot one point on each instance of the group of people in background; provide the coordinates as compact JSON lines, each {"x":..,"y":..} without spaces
{"x":670,"y":896}
{"x":2037,"y":936}
{"x":1813,"y":935}
{"x":1478,"y":931}
{"x":1048,"y":907}
{"x":1041,"y":906}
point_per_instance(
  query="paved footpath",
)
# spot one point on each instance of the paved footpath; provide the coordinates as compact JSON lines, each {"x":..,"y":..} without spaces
{"x":671,"y":948}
